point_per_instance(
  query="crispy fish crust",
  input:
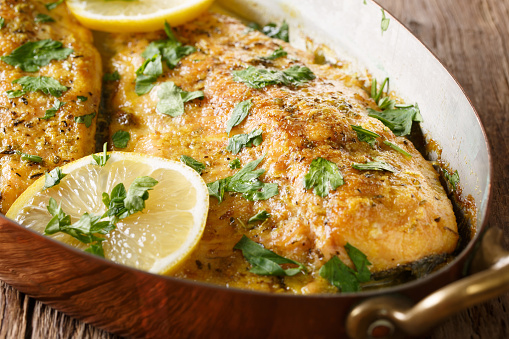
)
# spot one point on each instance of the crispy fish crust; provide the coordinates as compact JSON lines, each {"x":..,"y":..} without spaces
{"x":394,"y":218}
{"x":60,"y":139}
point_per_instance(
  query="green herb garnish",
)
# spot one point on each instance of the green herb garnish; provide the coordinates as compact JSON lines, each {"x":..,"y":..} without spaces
{"x":278,"y":53}
{"x":120,"y":139}
{"x":453,"y":179}
{"x":29,"y":157}
{"x":323,"y":175}
{"x":46,"y":85}
{"x":235,"y":163}
{"x":271,"y":30}
{"x":266,"y":262}
{"x":384,"y":102}
{"x":31,"y":56}
{"x":399,"y":120}
{"x":194,"y":164}
{"x":261,"y":77}
{"x":85,"y":119}
{"x":239,"y":113}
{"x":244,"y":181}
{"x":385,"y":22}
{"x":42,"y":18}
{"x":260,"y":216}
{"x":239,"y":141}
{"x":50,"y":113}
{"x":2,"y":22}
{"x":147,"y":74}
{"x":397,"y":148}
{"x":365,"y":135}
{"x":53,"y":178}
{"x":342,"y":276}
{"x":111,"y":76}
{"x":53,"y":5}
{"x":375,"y":166}
{"x":82,"y":98}
{"x":172,"y":99}
{"x":101,"y":160}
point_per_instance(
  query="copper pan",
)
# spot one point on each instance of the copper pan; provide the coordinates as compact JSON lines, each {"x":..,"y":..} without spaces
{"x":132,"y":303}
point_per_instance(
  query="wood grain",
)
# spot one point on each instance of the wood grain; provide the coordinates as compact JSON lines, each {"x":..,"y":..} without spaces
{"x":471,"y":38}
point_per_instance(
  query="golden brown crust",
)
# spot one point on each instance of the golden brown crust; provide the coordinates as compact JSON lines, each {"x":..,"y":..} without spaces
{"x":393,"y":218}
{"x":58,"y":140}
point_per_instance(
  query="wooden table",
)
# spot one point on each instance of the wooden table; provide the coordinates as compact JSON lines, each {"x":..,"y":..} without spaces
{"x":471,"y":37}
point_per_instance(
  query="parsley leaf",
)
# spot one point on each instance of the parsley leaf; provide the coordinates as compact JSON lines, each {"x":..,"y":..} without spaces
{"x":237,"y":142}
{"x":82,"y":98}
{"x":11,"y":94}
{"x":2,"y":22}
{"x":138,"y":194}
{"x":375,"y":166}
{"x":101,"y":160}
{"x":239,"y":113}
{"x":53,"y":178}
{"x":271,"y":30}
{"x":31,"y":56}
{"x":385,"y":22}
{"x":235,"y":163}
{"x":323,"y":175}
{"x":260,"y":216}
{"x":111,"y":76}
{"x":50,"y":113}
{"x":244,"y":181}
{"x":399,"y":120}
{"x":147,"y":74}
{"x":46,"y":85}
{"x":120,"y":139}
{"x":261,"y":77}
{"x":29,"y":157}
{"x":278,"y":53}
{"x":397,"y":148}
{"x":85,"y":119}
{"x":53,"y":5}
{"x":365,"y":135}
{"x":266,"y":262}
{"x":172,"y":99}
{"x":42,"y":18}
{"x":342,"y":276}
{"x":194,"y":164}
{"x":453,"y":179}
{"x":171,"y":50}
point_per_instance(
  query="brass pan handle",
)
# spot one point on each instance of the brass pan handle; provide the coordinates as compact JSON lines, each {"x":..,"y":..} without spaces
{"x":396,"y":317}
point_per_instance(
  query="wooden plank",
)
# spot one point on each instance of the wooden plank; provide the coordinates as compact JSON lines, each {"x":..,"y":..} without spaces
{"x":471,"y":40}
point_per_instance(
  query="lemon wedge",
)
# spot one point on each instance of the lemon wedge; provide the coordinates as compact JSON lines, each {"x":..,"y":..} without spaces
{"x":135,"y":15}
{"x":156,"y":239}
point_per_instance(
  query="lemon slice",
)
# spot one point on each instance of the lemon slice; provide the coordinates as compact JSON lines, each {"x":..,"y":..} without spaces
{"x":156,"y":239}
{"x":135,"y":15}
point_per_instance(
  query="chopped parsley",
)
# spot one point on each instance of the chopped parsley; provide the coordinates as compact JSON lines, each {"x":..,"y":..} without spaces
{"x":244,"y":181}
{"x":147,"y":74}
{"x":375,"y":166}
{"x":53,"y":178}
{"x":120,"y":139}
{"x":101,"y":160}
{"x":239,"y":113}
{"x":385,"y":22}
{"x":343,"y":277}
{"x":85,"y":119}
{"x":29,"y":157}
{"x":43,"y":18}
{"x":397,"y":148}
{"x":111,"y":76}
{"x":399,"y":120}
{"x":278,"y":53}
{"x":261,"y":77}
{"x":323,"y":176}
{"x":453,"y":179}
{"x":194,"y":164}
{"x":82,"y":98}
{"x":266,"y":262}
{"x":31,"y":56}
{"x":172,"y":99}
{"x":384,"y":102}
{"x":260,"y":216}
{"x":239,"y":141}
{"x":235,"y":163}
{"x":365,"y":135}
{"x":53,"y":5}
{"x":2,"y":22}
{"x":46,"y":85}
{"x":50,"y":113}
{"x":273,"y":31}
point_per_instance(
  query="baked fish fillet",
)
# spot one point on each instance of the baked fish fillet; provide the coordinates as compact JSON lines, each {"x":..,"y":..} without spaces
{"x":394,"y":218}
{"x":58,"y":139}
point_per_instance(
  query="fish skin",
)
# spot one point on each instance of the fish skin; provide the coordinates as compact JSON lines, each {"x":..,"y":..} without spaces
{"x":395,"y":219}
{"x":60,"y":139}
